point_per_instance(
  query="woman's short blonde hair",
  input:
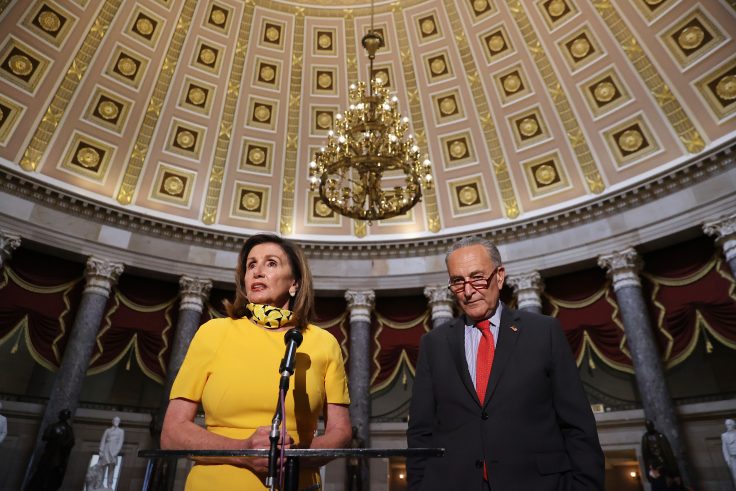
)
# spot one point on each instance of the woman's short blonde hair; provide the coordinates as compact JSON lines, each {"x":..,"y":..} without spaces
{"x":301,"y":304}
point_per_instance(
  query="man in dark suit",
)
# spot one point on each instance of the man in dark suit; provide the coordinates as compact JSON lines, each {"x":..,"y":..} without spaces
{"x":525,"y":426}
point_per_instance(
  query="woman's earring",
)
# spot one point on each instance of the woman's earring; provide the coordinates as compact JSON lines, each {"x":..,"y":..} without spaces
{"x":292,"y":293}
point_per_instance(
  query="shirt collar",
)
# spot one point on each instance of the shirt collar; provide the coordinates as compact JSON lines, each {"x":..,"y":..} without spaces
{"x":495,"y":318}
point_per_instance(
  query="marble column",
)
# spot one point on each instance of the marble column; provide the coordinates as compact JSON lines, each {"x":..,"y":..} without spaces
{"x":192,"y":294}
{"x":528,"y":289}
{"x":623,"y":268}
{"x":360,"y":304}
{"x":441,"y":301}
{"x":725,"y":232}
{"x":8,"y":243}
{"x":100,"y":276}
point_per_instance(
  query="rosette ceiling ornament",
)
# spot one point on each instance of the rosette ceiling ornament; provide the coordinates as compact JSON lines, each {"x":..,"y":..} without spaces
{"x":359,"y":171}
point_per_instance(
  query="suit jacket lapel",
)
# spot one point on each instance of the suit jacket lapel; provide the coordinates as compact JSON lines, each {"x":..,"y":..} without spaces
{"x":508,"y":333}
{"x":456,"y":342}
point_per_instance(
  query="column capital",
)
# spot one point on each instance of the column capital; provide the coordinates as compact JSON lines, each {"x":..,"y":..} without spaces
{"x":528,"y":288}
{"x":440,"y":300}
{"x":8,"y":243}
{"x":623,"y":267}
{"x":193,"y":292}
{"x":360,"y":304}
{"x":724,"y":229}
{"x":101,"y":276}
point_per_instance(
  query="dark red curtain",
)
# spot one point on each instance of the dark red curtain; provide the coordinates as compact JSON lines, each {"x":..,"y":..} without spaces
{"x":691,"y":290}
{"x":332,"y":315}
{"x":138,"y":325}
{"x":585,"y":304}
{"x":398,"y":324}
{"x":39,"y":296}
{"x":689,"y":287}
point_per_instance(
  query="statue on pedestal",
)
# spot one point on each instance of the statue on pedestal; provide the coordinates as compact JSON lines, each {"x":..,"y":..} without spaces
{"x":659,"y":460}
{"x":59,"y":438}
{"x":110,"y":446}
{"x":728,"y":441}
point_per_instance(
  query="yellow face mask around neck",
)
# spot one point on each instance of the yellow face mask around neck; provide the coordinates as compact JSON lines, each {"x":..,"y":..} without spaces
{"x":268,"y":316}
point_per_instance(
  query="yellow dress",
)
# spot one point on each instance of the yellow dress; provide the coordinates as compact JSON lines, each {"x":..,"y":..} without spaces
{"x":231,"y":367}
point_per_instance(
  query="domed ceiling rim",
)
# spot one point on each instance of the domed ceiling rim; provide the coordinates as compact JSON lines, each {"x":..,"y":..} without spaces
{"x":708,"y":163}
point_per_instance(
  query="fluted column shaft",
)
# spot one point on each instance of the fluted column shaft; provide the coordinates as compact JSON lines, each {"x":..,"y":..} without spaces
{"x":360,"y":304}
{"x":8,"y":243}
{"x":725,"y":232}
{"x":441,"y":302}
{"x":623,"y":268}
{"x":192,"y":294}
{"x":100,"y":275}
{"x":528,"y":289}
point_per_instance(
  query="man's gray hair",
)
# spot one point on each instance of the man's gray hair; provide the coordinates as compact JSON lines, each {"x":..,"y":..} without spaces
{"x":473,"y":240}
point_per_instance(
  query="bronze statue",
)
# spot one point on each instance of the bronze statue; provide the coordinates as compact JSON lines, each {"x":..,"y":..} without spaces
{"x":659,"y":460}
{"x":59,"y":438}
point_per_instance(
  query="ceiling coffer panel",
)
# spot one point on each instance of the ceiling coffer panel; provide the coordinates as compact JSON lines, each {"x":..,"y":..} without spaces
{"x":207,"y":113}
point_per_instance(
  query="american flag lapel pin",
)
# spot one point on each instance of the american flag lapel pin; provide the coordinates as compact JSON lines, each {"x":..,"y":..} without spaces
{"x":514,"y":328}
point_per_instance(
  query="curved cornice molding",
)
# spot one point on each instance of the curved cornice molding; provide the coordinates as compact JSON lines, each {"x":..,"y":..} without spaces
{"x":702,"y":167}
{"x":681,"y":199}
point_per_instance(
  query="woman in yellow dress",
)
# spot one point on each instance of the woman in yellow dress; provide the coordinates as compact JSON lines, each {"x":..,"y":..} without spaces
{"x":231,"y":368}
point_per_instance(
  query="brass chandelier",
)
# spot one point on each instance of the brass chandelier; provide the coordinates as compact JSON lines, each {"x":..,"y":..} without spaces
{"x":368,"y":141}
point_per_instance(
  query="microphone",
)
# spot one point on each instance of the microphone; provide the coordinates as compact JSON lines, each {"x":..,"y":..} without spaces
{"x":292,"y":339}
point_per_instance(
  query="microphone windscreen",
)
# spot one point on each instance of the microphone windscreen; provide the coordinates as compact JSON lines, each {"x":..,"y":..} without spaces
{"x":293,"y":335}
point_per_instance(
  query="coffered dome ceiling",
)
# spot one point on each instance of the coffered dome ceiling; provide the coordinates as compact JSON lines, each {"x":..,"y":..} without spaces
{"x":205,"y":114}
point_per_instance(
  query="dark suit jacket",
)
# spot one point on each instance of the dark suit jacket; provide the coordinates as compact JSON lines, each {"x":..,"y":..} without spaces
{"x":535,"y":430}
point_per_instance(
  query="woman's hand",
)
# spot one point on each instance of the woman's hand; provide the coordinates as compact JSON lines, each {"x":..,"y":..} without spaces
{"x":180,"y":432}
{"x":260,"y":440}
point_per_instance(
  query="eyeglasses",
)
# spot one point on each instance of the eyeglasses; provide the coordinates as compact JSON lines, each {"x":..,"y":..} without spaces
{"x":457,"y":285}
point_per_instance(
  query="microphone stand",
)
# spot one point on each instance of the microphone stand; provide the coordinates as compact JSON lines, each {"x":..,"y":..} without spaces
{"x":292,"y":339}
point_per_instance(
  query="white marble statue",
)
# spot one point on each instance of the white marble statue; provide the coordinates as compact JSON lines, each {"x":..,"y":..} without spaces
{"x":3,"y":425}
{"x":728,"y":439}
{"x":110,"y":446}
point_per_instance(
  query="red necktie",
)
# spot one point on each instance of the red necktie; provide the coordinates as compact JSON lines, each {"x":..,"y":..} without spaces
{"x":483,"y":364}
{"x":484,"y":360}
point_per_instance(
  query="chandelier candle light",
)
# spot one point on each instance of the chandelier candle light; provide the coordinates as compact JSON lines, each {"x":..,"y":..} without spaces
{"x":367,"y":141}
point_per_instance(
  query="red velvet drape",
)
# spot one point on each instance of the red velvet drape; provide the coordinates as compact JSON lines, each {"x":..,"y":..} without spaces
{"x":689,"y":288}
{"x":139,"y":324}
{"x":585,"y":304}
{"x":332,"y":315}
{"x":692,"y":295}
{"x":397,"y":326}
{"x":39,"y":296}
